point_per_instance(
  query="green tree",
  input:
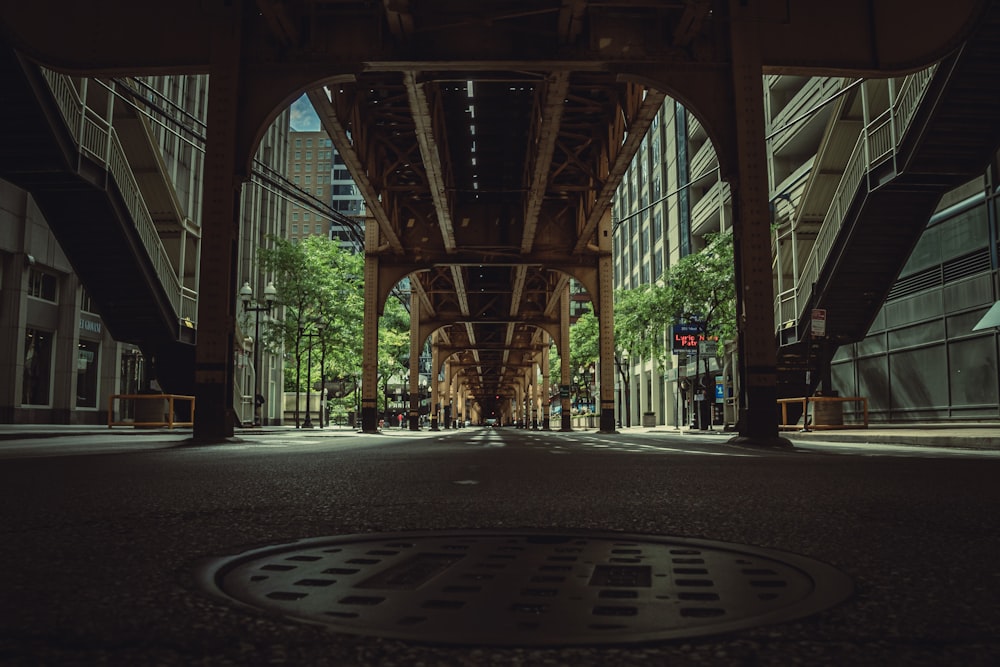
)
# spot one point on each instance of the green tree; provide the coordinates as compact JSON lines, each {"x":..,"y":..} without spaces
{"x":640,"y":323}
{"x":584,"y":344}
{"x":393,"y":347}
{"x":698,"y":289}
{"x":584,"y":341}
{"x":319,"y":289}
{"x":701,"y":289}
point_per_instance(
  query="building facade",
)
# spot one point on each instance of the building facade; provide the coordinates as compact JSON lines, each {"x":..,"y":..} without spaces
{"x":324,"y":201}
{"x":60,"y":360}
{"x":920,"y":360}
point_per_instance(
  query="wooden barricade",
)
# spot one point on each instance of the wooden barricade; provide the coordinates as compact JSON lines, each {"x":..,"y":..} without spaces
{"x":148,"y":410}
{"x":827,"y":413}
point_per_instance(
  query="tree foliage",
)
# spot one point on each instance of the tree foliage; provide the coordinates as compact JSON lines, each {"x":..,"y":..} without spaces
{"x":320,"y":299}
{"x":393,"y":346}
{"x":701,"y":288}
{"x":640,"y":322}
{"x":698,"y":289}
{"x":584,"y":341}
{"x":320,"y":291}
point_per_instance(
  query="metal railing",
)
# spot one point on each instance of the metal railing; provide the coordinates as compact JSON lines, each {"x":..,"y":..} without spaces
{"x":877,"y":143}
{"x":97,"y":138}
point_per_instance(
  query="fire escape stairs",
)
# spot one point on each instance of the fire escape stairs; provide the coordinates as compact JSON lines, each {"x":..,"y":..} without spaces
{"x":951,"y":139}
{"x":87,"y":214}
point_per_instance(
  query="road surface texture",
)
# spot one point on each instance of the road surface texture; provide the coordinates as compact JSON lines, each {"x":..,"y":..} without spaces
{"x":111,"y":543}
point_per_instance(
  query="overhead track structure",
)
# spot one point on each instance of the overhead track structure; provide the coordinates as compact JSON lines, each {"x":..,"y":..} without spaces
{"x":488,"y":139}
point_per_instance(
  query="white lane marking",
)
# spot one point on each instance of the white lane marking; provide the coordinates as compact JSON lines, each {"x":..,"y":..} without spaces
{"x":466,"y":482}
{"x":641,"y":448}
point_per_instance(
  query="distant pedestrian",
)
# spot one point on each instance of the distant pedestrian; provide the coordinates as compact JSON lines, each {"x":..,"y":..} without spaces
{"x":400,"y":418}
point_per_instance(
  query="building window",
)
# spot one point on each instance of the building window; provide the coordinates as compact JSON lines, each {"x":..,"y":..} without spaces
{"x":37,"y":384}
{"x":319,"y":192}
{"x":306,"y":215}
{"x":42,"y":285}
{"x":298,"y":155}
{"x":298,"y":143}
{"x":87,"y":374}
{"x":309,"y":143}
{"x":295,"y":229}
{"x":318,"y":228}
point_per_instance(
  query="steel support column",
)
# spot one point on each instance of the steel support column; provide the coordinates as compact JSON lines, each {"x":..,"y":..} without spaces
{"x":755,"y":290}
{"x":369,"y":354}
{"x":606,"y":326}
{"x":447,"y":412}
{"x":546,"y":386}
{"x":534,"y":395}
{"x":564,"y":370}
{"x":214,"y":358}
{"x":435,"y":390}
{"x":415,"y":345}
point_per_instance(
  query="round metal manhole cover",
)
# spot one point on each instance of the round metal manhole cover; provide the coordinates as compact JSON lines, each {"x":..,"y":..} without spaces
{"x":527,"y":588}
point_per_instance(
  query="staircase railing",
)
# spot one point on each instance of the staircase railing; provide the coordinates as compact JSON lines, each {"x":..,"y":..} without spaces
{"x":97,"y":138}
{"x":878,"y":142}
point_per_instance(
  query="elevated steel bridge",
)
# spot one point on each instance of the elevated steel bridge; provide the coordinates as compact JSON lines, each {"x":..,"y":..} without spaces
{"x":488,"y":139}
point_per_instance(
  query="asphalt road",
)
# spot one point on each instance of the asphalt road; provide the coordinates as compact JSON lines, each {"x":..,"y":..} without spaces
{"x":103,"y":537}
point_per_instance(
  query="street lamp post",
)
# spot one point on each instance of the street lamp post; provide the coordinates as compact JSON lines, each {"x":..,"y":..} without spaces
{"x":585,"y":373}
{"x":420,"y":403}
{"x":322,"y":383}
{"x":309,"y":335}
{"x":625,"y":373}
{"x":246,"y":296}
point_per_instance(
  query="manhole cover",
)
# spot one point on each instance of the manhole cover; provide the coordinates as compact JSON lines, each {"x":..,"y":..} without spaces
{"x":526,"y":588}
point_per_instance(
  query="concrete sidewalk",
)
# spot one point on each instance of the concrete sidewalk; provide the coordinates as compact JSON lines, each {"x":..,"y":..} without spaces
{"x":968,"y":436}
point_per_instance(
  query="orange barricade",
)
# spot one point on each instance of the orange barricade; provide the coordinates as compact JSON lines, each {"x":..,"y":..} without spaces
{"x":147,"y":410}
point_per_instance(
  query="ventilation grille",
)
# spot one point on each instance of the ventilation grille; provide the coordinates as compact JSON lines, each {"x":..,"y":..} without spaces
{"x":954,"y":269}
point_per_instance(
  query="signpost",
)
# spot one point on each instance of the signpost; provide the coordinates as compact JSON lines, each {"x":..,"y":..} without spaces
{"x":818,"y":322}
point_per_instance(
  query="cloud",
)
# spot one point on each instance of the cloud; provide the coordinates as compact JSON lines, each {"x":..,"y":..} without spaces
{"x":303,"y":117}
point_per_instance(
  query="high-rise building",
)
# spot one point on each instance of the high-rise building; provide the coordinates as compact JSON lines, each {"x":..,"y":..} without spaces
{"x":310,"y":161}
{"x":326,"y":201}
{"x":838,"y":153}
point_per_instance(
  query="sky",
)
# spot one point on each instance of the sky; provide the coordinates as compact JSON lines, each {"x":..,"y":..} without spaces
{"x":303,"y":118}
